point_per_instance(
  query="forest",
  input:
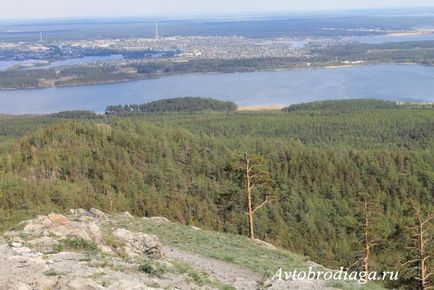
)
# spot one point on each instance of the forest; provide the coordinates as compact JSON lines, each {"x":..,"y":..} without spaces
{"x":183,"y":104}
{"x":330,"y":167}
{"x":342,"y":105}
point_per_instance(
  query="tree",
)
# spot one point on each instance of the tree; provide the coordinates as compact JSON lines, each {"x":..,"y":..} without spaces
{"x":257,"y":185}
{"x":368,"y":229}
{"x":421,"y":237}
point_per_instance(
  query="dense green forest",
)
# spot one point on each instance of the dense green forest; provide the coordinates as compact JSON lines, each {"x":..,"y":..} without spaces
{"x":183,"y":104}
{"x":421,"y":52}
{"x":77,"y":114}
{"x":178,"y":165}
{"x":342,"y":105}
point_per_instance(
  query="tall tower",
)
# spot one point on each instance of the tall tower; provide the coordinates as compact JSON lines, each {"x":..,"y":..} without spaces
{"x":157,"y":30}
{"x":40,"y":37}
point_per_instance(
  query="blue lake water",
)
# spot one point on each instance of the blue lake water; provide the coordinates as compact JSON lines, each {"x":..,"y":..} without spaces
{"x":391,"y":82}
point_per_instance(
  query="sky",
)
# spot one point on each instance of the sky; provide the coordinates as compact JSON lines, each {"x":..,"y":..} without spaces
{"x":30,"y":9}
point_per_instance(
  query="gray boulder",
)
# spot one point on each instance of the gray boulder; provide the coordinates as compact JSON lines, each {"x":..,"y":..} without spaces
{"x":136,"y":244}
{"x":97,"y":213}
{"x":83,"y":284}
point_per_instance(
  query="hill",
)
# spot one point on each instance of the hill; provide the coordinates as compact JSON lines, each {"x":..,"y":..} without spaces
{"x":94,"y":250}
{"x":177,"y":165}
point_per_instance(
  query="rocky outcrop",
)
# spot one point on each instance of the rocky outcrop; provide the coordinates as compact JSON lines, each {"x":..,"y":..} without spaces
{"x":60,"y":252}
{"x":92,"y":250}
{"x":158,"y":220}
{"x":59,"y":219}
{"x":264,"y":244}
{"x":138,"y":244}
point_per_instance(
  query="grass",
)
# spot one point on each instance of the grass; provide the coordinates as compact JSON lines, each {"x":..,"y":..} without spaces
{"x":51,"y":272}
{"x":115,"y":245}
{"x":199,"y":278}
{"x":231,"y":248}
{"x":110,"y":240}
{"x":78,"y":244}
{"x":219,"y":246}
{"x":154,"y":285}
{"x":19,"y":227}
{"x":345,"y":285}
{"x":152,"y":268}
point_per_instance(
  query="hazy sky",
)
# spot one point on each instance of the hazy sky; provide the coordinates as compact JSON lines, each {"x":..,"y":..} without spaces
{"x":23,"y":9}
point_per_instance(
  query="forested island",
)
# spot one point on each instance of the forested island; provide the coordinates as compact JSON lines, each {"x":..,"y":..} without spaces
{"x":330,"y":166}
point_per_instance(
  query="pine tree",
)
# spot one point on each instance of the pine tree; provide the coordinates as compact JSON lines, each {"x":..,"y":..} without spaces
{"x":421,"y":243}
{"x":369,"y":230}
{"x":257,"y":185}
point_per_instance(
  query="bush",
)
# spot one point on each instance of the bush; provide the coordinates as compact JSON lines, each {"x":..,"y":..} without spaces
{"x":151,"y":269}
{"x":82,"y":245}
{"x":52,"y":272}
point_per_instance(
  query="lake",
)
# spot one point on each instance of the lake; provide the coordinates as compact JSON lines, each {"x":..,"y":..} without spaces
{"x":389,"y":82}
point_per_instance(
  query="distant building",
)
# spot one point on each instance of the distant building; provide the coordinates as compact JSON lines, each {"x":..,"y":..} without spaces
{"x":157,"y":30}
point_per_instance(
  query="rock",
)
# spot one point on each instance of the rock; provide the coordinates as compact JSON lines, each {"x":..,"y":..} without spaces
{"x":18,"y":271}
{"x":83,"y":284}
{"x":5,"y":250}
{"x":159,"y":220}
{"x":299,"y":285}
{"x":17,"y":245}
{"x":41,"y":258}
{"x":15,"y":286}
{"x":126,"y":214}
{"x":79,"y":212}
{"x":21,"y":251}
{"x":44,"y":243}
{"x":136,"y":244}
{"x":38,"y":224}
{"x":313,"y":264}
{"x":96,"y":235}
{"x":83,"y":215}
{"x":59,"y":219}
{"x":241,"y":283}
{"x":94,"y":231}
{"x":265,"y":244}
{"x":130,"y":285}
{"x":97,"y":213}
{"x":76,"y":211}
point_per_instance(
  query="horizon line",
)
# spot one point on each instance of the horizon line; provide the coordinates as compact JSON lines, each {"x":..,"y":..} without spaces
{"x":234,"y":15}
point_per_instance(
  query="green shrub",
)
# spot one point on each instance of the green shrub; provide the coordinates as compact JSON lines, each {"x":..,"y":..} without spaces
{"x":151,"y":269}
{"x":51,"y":272}
{"x":81,"y":245}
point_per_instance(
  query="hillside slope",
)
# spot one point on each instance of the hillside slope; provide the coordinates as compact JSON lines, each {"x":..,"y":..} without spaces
{"x":94,"y":250}
{"x":177,"y":165}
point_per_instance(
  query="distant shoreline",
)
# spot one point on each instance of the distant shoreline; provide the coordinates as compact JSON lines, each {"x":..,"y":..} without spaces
{"x":139,"y":77}
{"x":269,"y":107}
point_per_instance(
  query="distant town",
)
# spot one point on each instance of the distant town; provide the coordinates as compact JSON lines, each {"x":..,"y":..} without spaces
{"x":38,"y":59}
